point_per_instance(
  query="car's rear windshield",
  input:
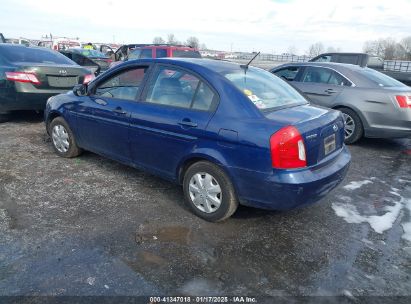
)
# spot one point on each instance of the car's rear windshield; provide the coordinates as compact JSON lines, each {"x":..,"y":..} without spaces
{"x":186,"y":54}
{"x":265,"y":90}
{"x":33,"y":55}
{"x":91,"y":53}
{"x":380,"y":79}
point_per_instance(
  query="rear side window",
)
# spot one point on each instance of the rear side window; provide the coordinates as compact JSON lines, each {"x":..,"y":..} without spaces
{"x":146,"y":53}
{"x":161,"y":53}
{"x":287,"y":73}
{"x":134,"y":54}
{"x":178,"y":88}
{"x":186,"y":54}
{"x":33,"y":55}
{"x":351,"y":59}
{"x":316,"y":75}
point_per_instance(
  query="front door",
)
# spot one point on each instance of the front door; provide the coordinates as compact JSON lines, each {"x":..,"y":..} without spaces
{"x":104,"y":115}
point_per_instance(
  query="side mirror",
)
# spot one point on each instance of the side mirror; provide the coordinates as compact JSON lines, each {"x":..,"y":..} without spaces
{"x":80,"y":90}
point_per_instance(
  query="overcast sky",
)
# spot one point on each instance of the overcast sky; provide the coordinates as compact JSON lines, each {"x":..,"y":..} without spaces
{"x":258,"y":25}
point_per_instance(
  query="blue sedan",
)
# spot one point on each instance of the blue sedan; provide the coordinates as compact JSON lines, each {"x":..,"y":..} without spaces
{"x":229,"y":134}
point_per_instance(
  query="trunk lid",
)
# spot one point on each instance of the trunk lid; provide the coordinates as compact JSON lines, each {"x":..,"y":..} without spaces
{"x":55,"y":77}
{"x":322,"y":129}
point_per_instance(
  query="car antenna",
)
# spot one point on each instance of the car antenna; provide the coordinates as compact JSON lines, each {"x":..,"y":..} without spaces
{"x":245,"y":66}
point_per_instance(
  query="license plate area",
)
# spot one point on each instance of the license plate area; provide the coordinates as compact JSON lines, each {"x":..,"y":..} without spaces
{"x":329,"y":144}
{"x":62,"y":82}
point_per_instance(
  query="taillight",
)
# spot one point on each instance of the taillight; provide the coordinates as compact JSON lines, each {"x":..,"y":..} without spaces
{"x":287,"y":149}
{"x":109,"y":60}
{"x":22,"y":77}
{"x":88,"y":78}
{"x":403,"y":101}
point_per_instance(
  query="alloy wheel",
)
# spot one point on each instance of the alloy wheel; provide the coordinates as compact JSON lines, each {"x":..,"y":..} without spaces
{"x":349,"y":128}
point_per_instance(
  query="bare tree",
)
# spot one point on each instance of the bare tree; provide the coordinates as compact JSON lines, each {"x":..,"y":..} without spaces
{"x":203,"y":47}
{"x":386,"y":48}
{"x":159,"y":40}
{"x":171,"y":39}
{"x":315,"y":49}
{"x":405,"y":45}
{"x":193,"y":42}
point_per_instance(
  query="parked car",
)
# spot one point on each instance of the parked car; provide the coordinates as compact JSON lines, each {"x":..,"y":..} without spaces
{"x":155,"y":51}
{"x":22,"y":41}
{"x":229,"y":134}
{"x":30,"y":75}
{"x":364,"y":60}
{"x":61,"y":44}
{"x":93,"y":60}
{"x":373,"y":104}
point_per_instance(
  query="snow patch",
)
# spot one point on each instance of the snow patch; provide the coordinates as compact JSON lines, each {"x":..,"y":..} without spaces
{"x":91,"y":280}
{"x":348,"y":294}
{"x":367,"y":242}
{"x":344,"y":198}
{"x":379,"y":223}
{"x":356,"y":185}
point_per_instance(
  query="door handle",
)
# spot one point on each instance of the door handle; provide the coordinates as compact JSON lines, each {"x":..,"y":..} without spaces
{"x":119,"y":110}
{"x":100,"y":101}
{"x":187,"y":123}
{"x":331,"y":91}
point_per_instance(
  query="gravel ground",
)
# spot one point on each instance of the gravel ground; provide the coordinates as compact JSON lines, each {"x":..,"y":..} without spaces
{"x":91,"y":226}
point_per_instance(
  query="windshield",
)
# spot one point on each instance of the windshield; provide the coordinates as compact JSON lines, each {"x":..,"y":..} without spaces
{"x":91,"y":53}
{"x":34,"y":55}
{"x":380,"y":79}
{"x":265,"y":90}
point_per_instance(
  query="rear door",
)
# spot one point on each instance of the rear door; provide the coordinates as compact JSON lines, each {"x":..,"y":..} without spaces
{"x":321,"y":85}
{"x":104,"y":116}
{"x":170,"y":119}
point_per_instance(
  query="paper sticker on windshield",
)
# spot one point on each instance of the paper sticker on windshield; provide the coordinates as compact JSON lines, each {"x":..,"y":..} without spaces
{"x":257,"y":101}
{"x":254,"y":98}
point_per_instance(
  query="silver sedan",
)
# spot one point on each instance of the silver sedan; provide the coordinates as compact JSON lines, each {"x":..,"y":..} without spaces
{"x":373,"y":104}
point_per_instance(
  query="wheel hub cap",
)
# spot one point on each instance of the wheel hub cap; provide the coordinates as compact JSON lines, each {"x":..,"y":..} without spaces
{"x":205,"y":192}
{"x":60,"y":138}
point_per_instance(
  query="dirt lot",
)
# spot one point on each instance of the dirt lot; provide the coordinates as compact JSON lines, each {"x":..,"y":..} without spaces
{"x":91,"y":226}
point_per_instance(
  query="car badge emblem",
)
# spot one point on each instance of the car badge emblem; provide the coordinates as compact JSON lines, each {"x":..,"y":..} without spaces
{"x":335,"y":128}
{"x":63,"y":72}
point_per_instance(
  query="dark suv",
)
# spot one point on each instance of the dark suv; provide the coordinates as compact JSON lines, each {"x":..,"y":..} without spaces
{"x":139,"y":51}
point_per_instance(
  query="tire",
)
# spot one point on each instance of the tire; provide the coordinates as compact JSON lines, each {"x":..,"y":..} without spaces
{"x":198,"y":175}
{"x":4,"y":117}
{"x":62,"y":138}
{"x":352,"y":119}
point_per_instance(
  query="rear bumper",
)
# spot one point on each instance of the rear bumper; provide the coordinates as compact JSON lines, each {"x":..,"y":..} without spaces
{"x":389,"y":125}
{"x":287,"y":189}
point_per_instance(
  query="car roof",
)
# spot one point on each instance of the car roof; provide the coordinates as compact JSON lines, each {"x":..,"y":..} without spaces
{"x":210,"y":64}
{"x":333,"y":65}
{"x":12,"y":45}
